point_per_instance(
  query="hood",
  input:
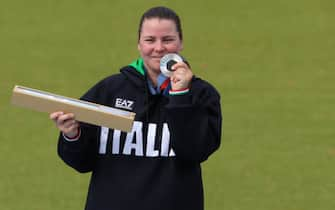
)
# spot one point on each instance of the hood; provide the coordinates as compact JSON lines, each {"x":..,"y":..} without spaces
{"x":138,"y":66}
{"x":135,"y":73}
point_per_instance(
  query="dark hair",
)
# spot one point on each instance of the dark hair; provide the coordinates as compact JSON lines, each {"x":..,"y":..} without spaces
{"x":161,"y":13}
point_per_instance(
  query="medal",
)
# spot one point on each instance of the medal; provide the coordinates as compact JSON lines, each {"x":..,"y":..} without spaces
{"x":167,"y":61}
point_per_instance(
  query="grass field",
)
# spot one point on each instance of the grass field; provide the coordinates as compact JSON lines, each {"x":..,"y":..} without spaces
{"x":272,"y":61}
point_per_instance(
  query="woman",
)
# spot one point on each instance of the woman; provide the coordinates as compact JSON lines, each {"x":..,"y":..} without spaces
{"x":177,"y":126}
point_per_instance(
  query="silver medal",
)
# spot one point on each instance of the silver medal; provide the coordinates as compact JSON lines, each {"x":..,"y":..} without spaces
{"x":167,"y":61}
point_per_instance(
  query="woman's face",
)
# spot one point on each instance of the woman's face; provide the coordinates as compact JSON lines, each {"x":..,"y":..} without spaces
{"x":157,"y":38}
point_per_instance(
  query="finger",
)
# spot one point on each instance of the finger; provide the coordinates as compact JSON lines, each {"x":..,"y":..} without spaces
{"x":75,"y":127}
{"x":70,"y":131}
{"x":69,"y":123}
{"x":179,"y":75}
{"x":174,"y":80}
{"x":64,"y":121}
{"x":183,"y":73}
{"x":176,"y":76}
{"x":180,"y":65}
{"x":181,"y":79}
{"x":71,"y":128}
{"x":68,"y":126}
{"x":55,"y":115}
{"x":65,"y":117}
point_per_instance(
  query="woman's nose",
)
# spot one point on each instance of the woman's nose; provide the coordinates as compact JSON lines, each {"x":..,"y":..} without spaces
{"x":159,"y":46}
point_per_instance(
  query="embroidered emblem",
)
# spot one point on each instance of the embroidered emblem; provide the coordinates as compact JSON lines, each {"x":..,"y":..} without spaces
{"x":124,"y":104}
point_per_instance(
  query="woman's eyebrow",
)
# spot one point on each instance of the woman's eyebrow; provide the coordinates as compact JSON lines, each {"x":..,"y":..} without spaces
{"x":148,"y":36}
{"x":163,"y":37}
{"x":171,"y":36}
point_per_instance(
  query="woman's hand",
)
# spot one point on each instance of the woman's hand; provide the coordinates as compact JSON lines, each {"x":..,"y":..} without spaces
{"x":66,"y":123}
{"x":181,"y":77}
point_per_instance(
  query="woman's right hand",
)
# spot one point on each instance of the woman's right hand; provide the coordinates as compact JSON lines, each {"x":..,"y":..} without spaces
{"x":66,"y":123}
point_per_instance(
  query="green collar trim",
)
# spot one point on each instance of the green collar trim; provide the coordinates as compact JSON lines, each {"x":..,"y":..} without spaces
{"x":138,"y":65}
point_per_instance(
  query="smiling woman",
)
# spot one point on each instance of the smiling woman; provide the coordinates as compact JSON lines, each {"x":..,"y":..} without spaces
{"x":158,"y":36}
{"x":177,"y":126}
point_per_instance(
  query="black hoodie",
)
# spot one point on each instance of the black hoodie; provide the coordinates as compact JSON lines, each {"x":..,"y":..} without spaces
{"x":157,"y":165}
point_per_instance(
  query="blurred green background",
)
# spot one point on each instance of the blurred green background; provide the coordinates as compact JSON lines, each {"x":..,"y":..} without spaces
{"x":272,"y":61}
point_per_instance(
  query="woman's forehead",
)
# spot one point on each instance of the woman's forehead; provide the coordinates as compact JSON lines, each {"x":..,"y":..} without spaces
{"x":158,"y":25}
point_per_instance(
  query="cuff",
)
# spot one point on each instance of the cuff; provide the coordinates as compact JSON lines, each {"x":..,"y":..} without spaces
{"x":179,"y":92}
{"x":75,"y":138}
{"x":180,"y":99}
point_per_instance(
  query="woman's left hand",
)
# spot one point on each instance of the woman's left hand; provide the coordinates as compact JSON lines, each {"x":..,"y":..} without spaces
{"x":181,"y":77}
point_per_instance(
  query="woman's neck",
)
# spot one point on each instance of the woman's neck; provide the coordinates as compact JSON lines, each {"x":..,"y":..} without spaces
{"x":153,"y":75}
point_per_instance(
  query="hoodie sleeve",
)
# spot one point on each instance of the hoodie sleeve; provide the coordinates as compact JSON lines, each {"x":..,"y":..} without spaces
{"x":81,"y":154}
{"x":195,"y":122}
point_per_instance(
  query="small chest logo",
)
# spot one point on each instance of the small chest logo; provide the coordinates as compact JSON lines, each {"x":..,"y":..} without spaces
{"x":124,"y":104}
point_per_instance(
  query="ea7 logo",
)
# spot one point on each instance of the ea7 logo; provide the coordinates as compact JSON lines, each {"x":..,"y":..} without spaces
{"x":124,"y":104}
